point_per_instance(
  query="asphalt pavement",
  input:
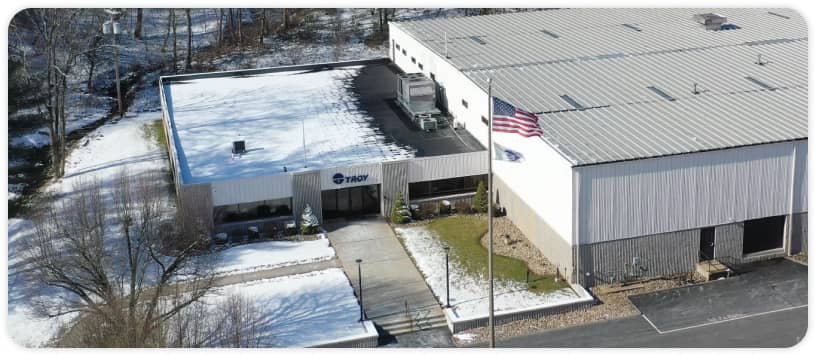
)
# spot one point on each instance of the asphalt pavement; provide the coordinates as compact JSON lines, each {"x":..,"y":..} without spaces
{"x":777,"y":329}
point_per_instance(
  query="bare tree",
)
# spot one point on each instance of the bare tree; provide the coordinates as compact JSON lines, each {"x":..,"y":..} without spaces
{"x":112,"y":258}
{"x":58,"y":39}
{"x":137,"y":31}
{"x":175,"y":39}
{"x":220,"y":38}
{"x":189,"y":59}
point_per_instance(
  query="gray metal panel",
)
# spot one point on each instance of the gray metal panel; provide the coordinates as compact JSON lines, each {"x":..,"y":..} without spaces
{"x":394,"y":180}
{"x":799,"y":234}
{"x":661,"y":254}
{"x":306,"y":190}
{"x":448,"y":166}
{"x":539,"y":232}
{"x":728,"y":241}
{"x":651,"y":196}
{"x":601,"y":63}
{"x":195,"y":205}
{"x":251,"y":189}
{"x":800,"y":182}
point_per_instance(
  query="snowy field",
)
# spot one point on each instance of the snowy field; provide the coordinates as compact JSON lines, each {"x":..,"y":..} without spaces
{"x":102,"y":155}
{"x":468,"y":293}
{"x":272,"y":254}
{"x":300,"y":310}
{"x":271,"y":112}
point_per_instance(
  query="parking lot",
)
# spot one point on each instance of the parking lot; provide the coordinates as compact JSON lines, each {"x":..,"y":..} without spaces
{"x":767,"y":287}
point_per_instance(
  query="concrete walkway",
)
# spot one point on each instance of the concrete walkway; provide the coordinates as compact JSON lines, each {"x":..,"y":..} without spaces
{"x":275,"y":272}
{"x":390,"y":279}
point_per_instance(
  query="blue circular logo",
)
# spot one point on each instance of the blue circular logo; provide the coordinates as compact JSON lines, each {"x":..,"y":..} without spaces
{"x":338,"y":178}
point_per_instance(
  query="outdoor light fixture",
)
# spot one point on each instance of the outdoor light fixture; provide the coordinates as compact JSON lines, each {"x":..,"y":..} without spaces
{"x":360,"y":284}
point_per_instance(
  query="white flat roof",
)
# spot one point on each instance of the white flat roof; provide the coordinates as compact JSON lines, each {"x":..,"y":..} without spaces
{"x":271,"y":112}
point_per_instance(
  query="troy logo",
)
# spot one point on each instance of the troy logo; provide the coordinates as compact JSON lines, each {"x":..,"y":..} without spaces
{"x":339,"y":178}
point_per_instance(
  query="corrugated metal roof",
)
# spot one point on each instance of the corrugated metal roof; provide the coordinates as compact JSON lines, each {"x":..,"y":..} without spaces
{"x":626,"y":77}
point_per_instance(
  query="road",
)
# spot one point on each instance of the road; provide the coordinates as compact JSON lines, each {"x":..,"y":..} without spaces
{"x":775,"y":329}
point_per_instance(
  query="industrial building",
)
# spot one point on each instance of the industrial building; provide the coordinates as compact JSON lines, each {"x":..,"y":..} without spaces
{"x":671,"y":136}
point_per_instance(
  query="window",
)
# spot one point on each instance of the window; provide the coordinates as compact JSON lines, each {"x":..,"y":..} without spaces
{"x":433,"y":77}
{"x":442,"y":187}
{"x":397,"y":46}
{"x":464,"y":103}
{"x":413,"y":60}
{"x":252,"y":211}
{"x":420,"y":66}
{"x":484,"y":120}
{"x":404,"y":53}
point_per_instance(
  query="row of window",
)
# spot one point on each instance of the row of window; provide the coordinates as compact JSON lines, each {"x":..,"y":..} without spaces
{"x":442,"y":187}
{"x":413,"y":59}
{"x":252,"y":211}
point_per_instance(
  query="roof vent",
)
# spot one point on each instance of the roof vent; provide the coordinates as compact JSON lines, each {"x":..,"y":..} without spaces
{"x":711,"y":21}
{"x":238,"y":147}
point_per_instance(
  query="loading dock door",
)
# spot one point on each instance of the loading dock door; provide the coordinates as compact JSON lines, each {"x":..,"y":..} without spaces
{"x":763,"y":234}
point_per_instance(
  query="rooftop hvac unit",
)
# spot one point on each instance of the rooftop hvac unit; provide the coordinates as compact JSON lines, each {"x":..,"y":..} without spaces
{"x":416,"y":94}
{"x":238,"y":147}
{"x":711,"y":21}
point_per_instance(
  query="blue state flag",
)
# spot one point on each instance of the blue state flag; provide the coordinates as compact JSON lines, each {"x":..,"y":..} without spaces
{"x":505,"y":154}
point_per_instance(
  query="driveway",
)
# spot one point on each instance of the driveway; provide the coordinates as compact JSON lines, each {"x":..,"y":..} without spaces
{"x":390,"y":280}
{"x":768,"y":286}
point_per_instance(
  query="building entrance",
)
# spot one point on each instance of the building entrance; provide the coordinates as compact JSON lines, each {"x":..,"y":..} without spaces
{"x":351,"y":201}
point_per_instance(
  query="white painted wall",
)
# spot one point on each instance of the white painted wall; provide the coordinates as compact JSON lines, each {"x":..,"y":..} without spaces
{"x":543,"y":181}
{"x":235,"y":191}
{"x":650,"y":196}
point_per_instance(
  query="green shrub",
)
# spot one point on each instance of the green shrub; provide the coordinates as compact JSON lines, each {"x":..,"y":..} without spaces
{"x":444,"y":209}
{"x":480,"y":199}
{"x":398,"y":215}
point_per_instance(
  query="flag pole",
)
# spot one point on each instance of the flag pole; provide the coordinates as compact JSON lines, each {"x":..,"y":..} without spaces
{"x":490,"y":321}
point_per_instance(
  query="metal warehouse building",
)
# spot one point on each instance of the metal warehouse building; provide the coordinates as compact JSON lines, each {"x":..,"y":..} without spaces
{"x":672,"y":136}
{"x":667,"y":141}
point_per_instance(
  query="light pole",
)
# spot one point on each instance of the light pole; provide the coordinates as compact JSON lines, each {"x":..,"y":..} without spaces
{"x":360,"y":286}
{"x":447,"y":277}
{"x":112,"y":27}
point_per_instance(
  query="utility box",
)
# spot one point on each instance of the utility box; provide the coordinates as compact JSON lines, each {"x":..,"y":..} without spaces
{"x":711,"y":21}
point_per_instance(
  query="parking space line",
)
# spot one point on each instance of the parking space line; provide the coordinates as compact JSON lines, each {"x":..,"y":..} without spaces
{"x":720,"y":321}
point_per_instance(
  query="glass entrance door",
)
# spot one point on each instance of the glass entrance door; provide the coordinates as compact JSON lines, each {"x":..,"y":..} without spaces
{"x":351,"y":201}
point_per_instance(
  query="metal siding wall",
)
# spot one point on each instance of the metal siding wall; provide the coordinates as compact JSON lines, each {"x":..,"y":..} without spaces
{"x":799,"y":235}
{"x":447,"y":166}
{"x":372,"y":170}
{"x":728,"y":240}
{"x":394,"y":180}
{"x":651,"y":196}
{"x":661,"y":254}
{"x":252,"y":189}
{"x":306,"y":190}
{"x":800,"y":177}
{"x":195,"y":204}
{"x":542,"y":235}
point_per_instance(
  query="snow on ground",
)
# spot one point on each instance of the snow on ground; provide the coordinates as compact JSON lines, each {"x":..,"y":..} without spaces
{"x":268,"y":111}
{"x":22,"y":324}
{"x":300,"y":310}
{"x":468,"y":292}
{"x":272,"y":254}
{"x":103,"y":153}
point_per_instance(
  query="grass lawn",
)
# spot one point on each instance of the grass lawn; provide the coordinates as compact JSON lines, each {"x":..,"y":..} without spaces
{"x":463,"y":235}
{"x":155,"y":132}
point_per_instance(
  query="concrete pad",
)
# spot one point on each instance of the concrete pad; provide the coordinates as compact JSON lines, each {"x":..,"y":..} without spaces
{"x":769,"y":286}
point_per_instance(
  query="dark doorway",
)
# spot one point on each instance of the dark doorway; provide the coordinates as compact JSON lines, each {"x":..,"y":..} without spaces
{"x":351,"y":201}
{"x":706,"y":244}
{"x":763,"y":234}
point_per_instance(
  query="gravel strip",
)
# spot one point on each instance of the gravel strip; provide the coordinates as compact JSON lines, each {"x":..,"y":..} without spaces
{"x":509,"y":241}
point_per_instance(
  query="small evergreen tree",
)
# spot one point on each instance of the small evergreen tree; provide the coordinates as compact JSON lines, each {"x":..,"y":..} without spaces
{"x":308,"y":221}
{"x":480,"y":199}
{"x":398,"y":211}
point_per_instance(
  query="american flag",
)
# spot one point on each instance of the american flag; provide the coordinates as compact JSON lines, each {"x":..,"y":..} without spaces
{"x":507,"y":118}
